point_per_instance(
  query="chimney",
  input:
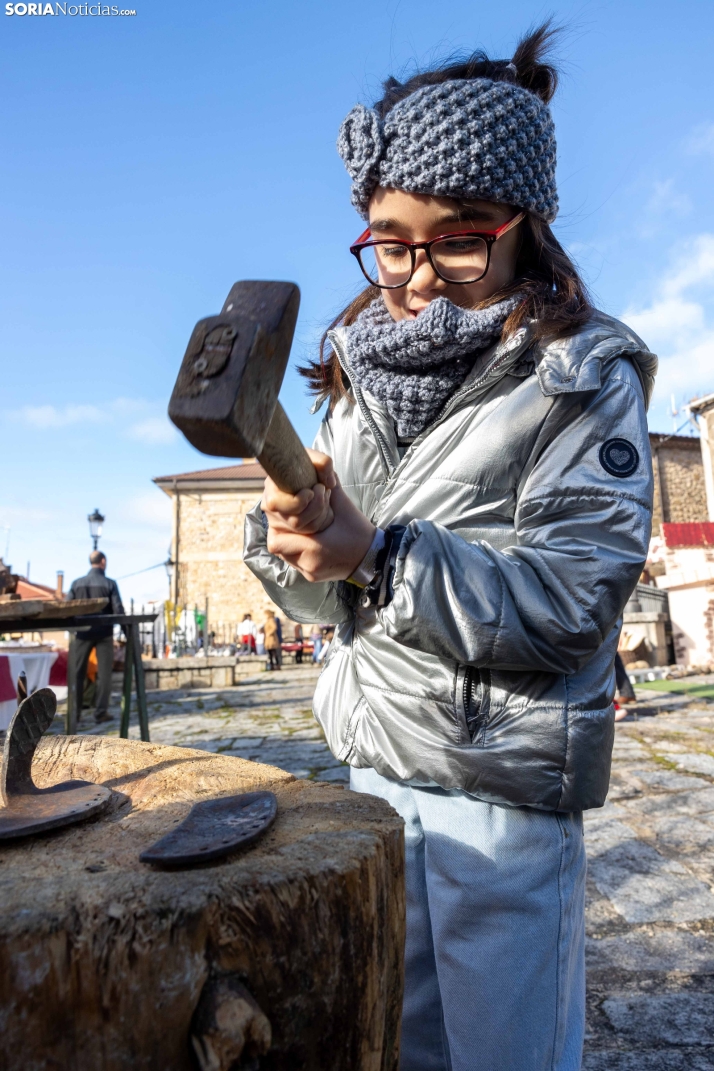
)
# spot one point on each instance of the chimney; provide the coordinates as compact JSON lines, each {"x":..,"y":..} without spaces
{"x":703,"y":411}
{"x":59,"y":590}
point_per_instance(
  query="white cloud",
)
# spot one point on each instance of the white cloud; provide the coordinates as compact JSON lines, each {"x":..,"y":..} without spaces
{"x":50,"y":416}
{"x":153,"y":508}
{"x":665,"y":199}
{"x":136,"y":418}
{"x":154,"y":431}
{"x":701,"y":140}
{"x":678,"y":324}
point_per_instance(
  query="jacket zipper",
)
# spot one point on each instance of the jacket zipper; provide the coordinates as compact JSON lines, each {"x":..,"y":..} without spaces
{"x":468,"y":694}
{"x":364,"y":408}
{"x":449,"y":408}
{"x":476,"y":707}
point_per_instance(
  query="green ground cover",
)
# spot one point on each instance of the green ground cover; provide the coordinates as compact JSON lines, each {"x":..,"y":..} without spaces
{"x":681,"y":687}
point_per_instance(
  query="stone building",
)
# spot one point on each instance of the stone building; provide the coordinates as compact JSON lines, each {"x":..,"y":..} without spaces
{"x":679,"y":482}
{"x":209,"y":509}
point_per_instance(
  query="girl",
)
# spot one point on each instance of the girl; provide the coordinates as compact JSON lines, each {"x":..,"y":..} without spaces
{"x":490,"y":518}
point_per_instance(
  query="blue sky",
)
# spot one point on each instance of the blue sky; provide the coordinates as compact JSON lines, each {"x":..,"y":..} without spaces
{"x":151,"y":161}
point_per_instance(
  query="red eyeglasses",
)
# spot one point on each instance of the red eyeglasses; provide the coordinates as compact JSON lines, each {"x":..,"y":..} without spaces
{"x":462,"y":257}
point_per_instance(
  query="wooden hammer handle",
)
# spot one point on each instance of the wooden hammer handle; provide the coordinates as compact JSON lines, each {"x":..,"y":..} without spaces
{"x":284,"y":458}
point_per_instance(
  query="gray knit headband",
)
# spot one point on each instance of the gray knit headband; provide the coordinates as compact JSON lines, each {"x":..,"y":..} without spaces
{"x":464,"y":139}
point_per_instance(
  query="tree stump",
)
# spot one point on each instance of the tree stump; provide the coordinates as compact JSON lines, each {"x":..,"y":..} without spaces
{"x":283,"y":956}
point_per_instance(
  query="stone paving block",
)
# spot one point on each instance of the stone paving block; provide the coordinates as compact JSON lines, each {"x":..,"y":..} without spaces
{"x":683,"y":833}
{"x":602,"y":815}
{"x":696,"y":763}
{"x":647,"y":1060}
{"x":670,"y":1018}
{"x":642,"y":885}
{"x":695,"y":803}
{"x":669,"y":780}
{"x":669,"y":950}
{"x":629,"y":750}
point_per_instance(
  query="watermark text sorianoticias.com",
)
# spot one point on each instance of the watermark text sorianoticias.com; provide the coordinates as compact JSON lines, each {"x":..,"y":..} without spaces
{"x":66,"y":9}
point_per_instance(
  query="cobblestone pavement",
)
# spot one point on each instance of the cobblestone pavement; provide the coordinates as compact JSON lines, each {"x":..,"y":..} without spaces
{"x":267,"y":718}
{"x":650,"y":915}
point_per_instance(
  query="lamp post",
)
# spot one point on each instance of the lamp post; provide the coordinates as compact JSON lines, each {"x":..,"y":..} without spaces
{"x":96,"y":520}
{"x":169,"y":565}
{"x":170,"y":614}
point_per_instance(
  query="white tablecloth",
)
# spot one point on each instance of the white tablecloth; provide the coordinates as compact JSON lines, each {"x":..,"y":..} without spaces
{"x":37,"y":666}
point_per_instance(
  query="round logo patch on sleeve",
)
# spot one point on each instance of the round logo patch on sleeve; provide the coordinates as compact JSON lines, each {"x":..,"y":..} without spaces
{"x":619,"y":457}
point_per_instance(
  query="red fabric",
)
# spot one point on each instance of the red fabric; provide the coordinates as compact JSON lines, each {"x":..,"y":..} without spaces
{"x":689,"y":534}
{"x":58,"y":673}
{"x":7,"y":687}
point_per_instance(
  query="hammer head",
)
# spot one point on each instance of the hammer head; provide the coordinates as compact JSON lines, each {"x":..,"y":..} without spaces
{"x":230,"y":377}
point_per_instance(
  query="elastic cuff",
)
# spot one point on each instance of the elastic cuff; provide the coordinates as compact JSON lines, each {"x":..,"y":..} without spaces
{"x":365,"y":571}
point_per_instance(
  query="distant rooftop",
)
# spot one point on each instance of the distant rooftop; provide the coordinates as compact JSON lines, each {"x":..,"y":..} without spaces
{"x":658,"y":438}
{"x":689,"y":534}
{"x":250,"y":475}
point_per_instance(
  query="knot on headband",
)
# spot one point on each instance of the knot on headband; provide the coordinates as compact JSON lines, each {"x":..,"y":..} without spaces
{"x":360,"y":144}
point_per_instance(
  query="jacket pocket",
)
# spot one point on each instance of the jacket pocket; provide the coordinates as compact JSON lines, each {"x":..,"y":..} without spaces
{"x":476,"y":697}
{"x":338,"y":703}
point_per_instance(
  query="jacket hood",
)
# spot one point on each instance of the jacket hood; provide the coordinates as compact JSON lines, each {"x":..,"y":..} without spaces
{"x":575,"y":363}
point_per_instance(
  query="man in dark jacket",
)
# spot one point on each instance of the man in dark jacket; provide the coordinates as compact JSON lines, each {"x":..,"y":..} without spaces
{"x":95,"y":585}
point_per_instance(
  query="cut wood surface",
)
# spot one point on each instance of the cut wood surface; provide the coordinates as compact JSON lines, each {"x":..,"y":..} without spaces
{"x":54,"y":609}
{"x":285,"y":956}
{"x":59,"y":608}
{"x":21,"y":608}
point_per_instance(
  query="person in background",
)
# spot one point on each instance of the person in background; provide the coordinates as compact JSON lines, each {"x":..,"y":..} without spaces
{"x":329,"y":637}
{"x":100,"y":638}
{"x":260,"y":641}
{"x":298,"y":639}
{"x":246,"y":635}
{"x":316,"y":637}
{"x":624,"y":691}
{"x":272,"y":640}
{"x":279,"y":626}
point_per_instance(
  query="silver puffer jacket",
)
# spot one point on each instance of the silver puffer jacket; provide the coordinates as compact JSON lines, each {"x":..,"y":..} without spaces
{"x":491,"y":670}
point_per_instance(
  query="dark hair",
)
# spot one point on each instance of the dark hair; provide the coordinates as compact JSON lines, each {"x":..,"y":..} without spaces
{"x":554,"y":295}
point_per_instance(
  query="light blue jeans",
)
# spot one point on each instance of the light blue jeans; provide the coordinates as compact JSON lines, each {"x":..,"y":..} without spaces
{"x":494,"y":962}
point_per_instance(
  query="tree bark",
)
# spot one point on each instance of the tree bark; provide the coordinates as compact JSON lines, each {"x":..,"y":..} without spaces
{"x":284,"y":956}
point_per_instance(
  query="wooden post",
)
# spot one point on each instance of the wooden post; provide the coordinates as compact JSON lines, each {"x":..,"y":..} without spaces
{"x":70,"y":718}
{"x":140,"y":686}
{"x":128,"y":668}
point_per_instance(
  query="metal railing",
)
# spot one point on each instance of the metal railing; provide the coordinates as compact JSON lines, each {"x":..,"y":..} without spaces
{"x":651,"y":599}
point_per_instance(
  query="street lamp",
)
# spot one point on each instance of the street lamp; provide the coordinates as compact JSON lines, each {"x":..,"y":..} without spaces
{"x":170,"y":617}
{"x":96,"y":520}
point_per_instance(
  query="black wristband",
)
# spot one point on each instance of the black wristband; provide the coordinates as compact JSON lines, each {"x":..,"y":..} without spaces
{"x":380,"y":592}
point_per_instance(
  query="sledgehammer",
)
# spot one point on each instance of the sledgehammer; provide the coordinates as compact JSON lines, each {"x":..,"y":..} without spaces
{"x":226,"y":396}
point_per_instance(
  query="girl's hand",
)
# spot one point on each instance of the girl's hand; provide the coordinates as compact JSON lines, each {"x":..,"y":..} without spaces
{"x":332,"y":553}
{"x":308,"y":511}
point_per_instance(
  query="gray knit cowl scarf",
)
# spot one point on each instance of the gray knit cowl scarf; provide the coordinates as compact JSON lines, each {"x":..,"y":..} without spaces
{"x":414,"y":366}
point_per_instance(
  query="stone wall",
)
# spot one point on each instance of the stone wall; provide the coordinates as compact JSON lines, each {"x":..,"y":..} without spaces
{"x":210,"y":557}
{"x":680,"y":492}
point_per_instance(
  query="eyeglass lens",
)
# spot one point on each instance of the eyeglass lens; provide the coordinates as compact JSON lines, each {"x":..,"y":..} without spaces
{"x":458,"y":260}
